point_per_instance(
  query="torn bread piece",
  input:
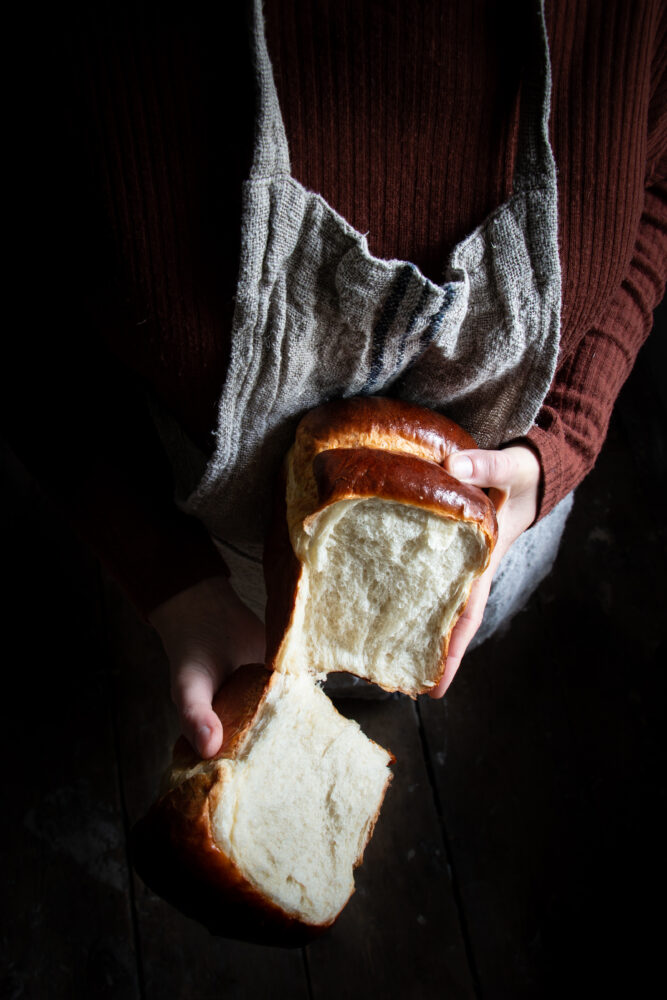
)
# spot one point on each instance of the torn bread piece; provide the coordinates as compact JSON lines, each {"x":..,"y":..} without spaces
{"x":375,"y":547}
{"x":261,"y":842}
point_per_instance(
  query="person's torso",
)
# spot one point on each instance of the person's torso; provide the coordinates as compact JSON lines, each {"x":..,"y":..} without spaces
{"x":403,"y":117}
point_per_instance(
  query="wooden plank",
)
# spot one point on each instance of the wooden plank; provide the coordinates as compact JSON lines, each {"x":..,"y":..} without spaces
{"x":66,"y":919}
{"x":500,"y":747}
{"x":179,"y":957}
{"x":400,"y":934}
{"x":546,"y":752}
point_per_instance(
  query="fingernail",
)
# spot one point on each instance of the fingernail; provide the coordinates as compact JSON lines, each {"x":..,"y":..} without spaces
{"x":203,"y":734}
{"x":460,"y":466}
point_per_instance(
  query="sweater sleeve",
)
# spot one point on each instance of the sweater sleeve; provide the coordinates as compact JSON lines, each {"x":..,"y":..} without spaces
{"x":571,"y":427}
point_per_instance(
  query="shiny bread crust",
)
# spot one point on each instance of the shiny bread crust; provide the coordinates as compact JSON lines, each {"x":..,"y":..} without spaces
{"x":381,"y":422}
{"x":386,"y":426}
{"x":357,"y":473}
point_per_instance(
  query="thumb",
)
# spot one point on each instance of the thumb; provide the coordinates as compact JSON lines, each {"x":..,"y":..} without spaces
{"x":482,"y":468}
{"x":192,"y":692}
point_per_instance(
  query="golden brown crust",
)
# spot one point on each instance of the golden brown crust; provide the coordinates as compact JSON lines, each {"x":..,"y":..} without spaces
{"x":387,"y":426}
{"x":238,"y":703}
{"x":365,"y":472}
{"x":381,"y":422}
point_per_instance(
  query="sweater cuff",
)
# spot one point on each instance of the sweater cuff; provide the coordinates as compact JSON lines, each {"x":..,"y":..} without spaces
{"x":549,"y":452}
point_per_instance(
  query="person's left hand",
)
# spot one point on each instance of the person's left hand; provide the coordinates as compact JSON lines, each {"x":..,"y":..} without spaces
{"x":207,"y":632}
{"x":513,"y":476}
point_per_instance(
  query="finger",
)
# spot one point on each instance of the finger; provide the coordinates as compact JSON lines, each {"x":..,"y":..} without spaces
{"x":483,"y":468}
{"x":463,"y":631}
{"x":192,"y":690}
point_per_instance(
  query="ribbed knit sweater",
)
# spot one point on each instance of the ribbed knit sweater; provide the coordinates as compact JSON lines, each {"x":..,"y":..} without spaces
{"x":403,"y":116}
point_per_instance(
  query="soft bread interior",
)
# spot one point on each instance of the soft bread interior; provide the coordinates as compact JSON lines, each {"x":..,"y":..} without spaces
{"x":295,"y":809}
{"x":381,"y":585}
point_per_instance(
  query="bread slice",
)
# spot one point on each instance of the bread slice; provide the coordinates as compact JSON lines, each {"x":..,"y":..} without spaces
{"x":375,"y":547}
{"x":260,"y":843}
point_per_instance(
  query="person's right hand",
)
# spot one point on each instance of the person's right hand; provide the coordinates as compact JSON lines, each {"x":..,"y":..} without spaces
{"x":207,"y":631}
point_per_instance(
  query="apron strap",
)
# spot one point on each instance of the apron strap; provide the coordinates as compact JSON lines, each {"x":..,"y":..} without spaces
{"x":271,"y":152}
{"x":534,"y":158}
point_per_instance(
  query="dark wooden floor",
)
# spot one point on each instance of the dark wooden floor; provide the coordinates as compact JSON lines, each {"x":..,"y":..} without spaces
{"x":519,"y":853}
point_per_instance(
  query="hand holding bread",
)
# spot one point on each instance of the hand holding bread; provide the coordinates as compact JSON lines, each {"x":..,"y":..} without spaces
{"x":512,"y":476}
{"x":207,"y":632}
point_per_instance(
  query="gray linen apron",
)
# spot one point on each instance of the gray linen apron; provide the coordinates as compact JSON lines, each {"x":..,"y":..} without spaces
{"x":317,"y":317}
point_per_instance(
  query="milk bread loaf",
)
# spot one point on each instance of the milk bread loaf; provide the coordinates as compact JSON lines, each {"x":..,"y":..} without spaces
{"x":374,"y":547}
{"x":368,"y":565}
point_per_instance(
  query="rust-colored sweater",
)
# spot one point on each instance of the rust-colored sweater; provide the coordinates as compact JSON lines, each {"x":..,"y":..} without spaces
{"x":404,"y":117}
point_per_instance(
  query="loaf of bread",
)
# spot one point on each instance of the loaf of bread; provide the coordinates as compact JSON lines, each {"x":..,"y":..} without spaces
{"x":374,"y":546}
{"x":261,"y":842}
{"x":369,"y":564}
